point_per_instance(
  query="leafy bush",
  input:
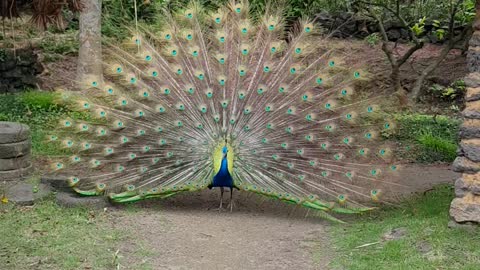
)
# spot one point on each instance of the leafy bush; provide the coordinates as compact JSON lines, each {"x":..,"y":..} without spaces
{"x":456,"y":90}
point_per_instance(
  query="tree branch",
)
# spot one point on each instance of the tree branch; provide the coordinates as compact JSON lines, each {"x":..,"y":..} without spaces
{"x":416,"y":91}
{"x":397,"y":15}
{"x":409,"y":53}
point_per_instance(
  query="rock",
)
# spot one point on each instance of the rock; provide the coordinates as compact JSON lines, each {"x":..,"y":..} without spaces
{"x":8,"y":164}
{"x":41,"y":191}
{"x":471,"y":114}
{"x":404,"y":34}
{"x":57,"y":182}
{"x":473,"y":58}
{"x":26,"y":194}
{"x":466,"y":209}
{"x":16,"y":175}
{"x":472,"y":110}
{"x":466,"y":225}
{"x":470,"y":129}
{"x":13,"y":132}
{"x":460,"y":188}
{"x":462,"y":164}
{"x":467,"y":183}
{"x":21,"y":194}
{"x":17,"y":149}
{"x":69,"y":199}
{"x":424,"y":247}
{"x":395,"y":234}
{"x":18,"y":70}
{"x":473,"y":94}
{"x":472,"y":79}
{"x":470,"y":148}
{"x":394,"y":34}
{"x":475,"y":40}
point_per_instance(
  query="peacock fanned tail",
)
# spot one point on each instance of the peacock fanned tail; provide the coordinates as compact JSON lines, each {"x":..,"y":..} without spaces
{"x":283,"y":104}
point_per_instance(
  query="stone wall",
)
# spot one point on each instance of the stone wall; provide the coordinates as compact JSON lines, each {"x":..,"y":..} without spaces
{"x":18,"y":69}
{"x":466,"y":206}
{"x":346,"y":24}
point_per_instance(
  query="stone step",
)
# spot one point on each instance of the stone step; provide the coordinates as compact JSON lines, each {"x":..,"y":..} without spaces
{"x":9,"y":164}
{"x":25,"y":194}
{"x":13,"y":132}
{"x":58,"y":182}
{"x":69,"y":199}
{"x":16,"y":149}
{"x":16,"y":175}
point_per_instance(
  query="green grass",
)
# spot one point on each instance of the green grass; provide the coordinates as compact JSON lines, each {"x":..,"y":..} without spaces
{"x":425,"y":218}
{"x":47,"y":236}
{"x":41,"y":112}
{"x":425,"y":138}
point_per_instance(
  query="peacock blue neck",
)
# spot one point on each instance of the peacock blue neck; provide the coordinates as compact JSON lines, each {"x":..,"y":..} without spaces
{"x":223,"y":177}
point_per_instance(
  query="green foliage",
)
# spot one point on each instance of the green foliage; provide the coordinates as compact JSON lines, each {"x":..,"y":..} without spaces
{"x":453,"y":91}
{"x":40,"y":111}
{"x":422,"y":17}
{"x":372,"y":39}
{"x":55,"y":46}
{"x":39,"y":100}
{"x":419,"y":27}
{"x":119,"y":16}
{"x":59,"y":44}
{"x":426,"y":138}
{"x":3,"y":55}
{"x":428,"y":243}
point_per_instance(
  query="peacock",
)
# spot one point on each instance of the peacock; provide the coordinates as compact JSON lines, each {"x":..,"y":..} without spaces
{"x":227,"y":99}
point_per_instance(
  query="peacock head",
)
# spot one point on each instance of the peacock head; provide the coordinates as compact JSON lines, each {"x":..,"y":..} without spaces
{"x":225,"y":150}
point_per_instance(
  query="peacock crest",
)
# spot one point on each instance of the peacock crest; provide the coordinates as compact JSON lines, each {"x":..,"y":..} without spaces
{"x":279,"y":108}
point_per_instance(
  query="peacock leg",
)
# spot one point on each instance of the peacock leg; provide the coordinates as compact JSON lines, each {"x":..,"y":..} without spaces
{"x":231,"y":199}
{"x":221,"y":198}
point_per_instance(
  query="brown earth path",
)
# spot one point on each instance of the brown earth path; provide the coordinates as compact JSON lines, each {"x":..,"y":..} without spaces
{"x":186,"y":232}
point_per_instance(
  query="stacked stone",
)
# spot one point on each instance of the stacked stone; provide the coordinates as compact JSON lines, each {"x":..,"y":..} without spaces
{"x":18,"y":69}
{"x":466,"y":206}
{"x":15,"y":154}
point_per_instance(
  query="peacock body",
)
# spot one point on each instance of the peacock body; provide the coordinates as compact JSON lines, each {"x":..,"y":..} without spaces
{"x":227,"y":99}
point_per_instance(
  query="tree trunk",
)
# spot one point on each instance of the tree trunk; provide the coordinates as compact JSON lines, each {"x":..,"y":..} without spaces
{"x":89,"y":63}
{"x":395,"y":77}
{"x":417,"y":88}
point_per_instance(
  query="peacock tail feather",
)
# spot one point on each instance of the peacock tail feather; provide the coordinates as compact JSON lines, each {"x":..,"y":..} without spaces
{"x":283,"y":104}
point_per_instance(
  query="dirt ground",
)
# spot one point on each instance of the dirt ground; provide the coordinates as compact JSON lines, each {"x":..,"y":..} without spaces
{"x":187,"y":232}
